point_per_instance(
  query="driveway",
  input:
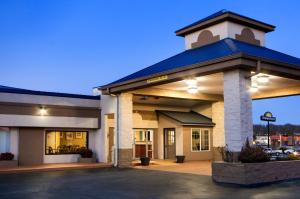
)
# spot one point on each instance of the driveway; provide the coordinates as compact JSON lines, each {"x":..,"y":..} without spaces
{"x":131,"y":183}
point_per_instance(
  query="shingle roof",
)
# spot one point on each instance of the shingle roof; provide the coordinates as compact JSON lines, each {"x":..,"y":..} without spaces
{"x":187,"y":118}
{"x":210,"y":52}
{"x":7,"y":89}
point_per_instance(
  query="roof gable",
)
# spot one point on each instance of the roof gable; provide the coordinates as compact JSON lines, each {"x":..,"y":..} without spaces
{"x":187,"y":118}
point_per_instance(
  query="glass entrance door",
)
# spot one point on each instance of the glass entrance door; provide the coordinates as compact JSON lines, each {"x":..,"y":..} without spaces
{"x":169,"y":144}
{"x":143,"y":143}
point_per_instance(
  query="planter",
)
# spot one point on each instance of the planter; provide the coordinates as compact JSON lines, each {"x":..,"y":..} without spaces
{"x":145,"y":161}
{"x":87,"y":160}
{"x":255,"y":173}
{"x":8,"y":163}
{"x":180,"y":158}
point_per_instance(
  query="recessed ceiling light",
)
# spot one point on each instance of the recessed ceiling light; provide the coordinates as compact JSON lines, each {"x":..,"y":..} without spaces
{"x":191,"y":82}
{"x":263,"y":79}
{"x":253,"y":89}
{"x":192,"y":90}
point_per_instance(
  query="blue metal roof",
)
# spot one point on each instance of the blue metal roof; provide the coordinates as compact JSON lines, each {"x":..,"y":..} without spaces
{"x":210,"y":52}
{"x":7,"y":89}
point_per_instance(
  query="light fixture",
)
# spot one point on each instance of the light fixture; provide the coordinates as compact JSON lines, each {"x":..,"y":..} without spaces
{"x":43,"y":111}
{"x":191,"y":82}
{"x":192,"y":90}
{"x":263,"y":79}
{"x":253,"y":89}
{"x":254,"y":84}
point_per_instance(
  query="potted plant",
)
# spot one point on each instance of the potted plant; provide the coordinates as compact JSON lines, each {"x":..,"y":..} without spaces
{"x":145,"y":161}
{"x":180,"y":158}
{"x":86,"y":155}
{"x":7,"y":160}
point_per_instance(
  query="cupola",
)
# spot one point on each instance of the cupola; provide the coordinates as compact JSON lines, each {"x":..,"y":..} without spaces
{"x":224,"y":24}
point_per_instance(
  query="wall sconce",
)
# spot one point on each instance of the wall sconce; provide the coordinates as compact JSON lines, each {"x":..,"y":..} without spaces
{"x":43,"y":111}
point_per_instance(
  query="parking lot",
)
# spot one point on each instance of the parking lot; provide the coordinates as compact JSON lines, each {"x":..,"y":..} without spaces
{"x":132,"y":183}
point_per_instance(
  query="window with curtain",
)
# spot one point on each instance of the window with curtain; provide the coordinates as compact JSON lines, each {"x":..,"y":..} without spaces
{"x":200,"y":140}
{"x":65,"y":142}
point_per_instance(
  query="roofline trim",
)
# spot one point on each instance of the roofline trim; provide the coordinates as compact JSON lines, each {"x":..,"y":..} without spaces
{"x":50,"y":94}
{"x":227,"y":16}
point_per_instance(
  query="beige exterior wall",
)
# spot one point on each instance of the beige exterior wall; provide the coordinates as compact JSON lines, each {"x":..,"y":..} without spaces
{"x":205,"y":109}
{"x":187,"y":146}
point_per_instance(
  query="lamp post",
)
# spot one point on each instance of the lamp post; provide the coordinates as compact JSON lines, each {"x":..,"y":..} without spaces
{"x":268,"y":116}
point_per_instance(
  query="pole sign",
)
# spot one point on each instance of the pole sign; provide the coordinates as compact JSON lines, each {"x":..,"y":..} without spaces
{"x":268,"y":116}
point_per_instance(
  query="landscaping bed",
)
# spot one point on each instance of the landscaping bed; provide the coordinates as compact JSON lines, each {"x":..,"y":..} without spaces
{"x":255,"y":173}
{"x":254,"y":166}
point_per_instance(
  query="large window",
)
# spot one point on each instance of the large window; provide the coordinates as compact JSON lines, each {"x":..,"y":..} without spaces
{"x":65,"y":142}
{"x":200,"y":140}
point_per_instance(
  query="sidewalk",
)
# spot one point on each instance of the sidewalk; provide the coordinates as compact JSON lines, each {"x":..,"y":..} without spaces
{"x":55,"y":167}
{"x":191,"y":167}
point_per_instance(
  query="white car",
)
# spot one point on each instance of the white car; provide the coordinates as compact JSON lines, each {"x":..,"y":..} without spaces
{"x":271,"y":151}
{"x":289,"y":151}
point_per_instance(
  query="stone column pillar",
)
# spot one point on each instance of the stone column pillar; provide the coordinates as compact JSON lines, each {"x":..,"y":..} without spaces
{"x":218,"y":130}
{"x":237,"y":109}
{"x":124,"y":129}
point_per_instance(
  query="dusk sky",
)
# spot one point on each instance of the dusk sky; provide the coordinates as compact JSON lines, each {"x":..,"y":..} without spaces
{"x":73,"y":46}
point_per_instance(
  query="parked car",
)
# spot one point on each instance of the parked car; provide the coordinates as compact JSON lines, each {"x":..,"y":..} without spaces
{"x":289,"y":151}
{"x":271,"y":151}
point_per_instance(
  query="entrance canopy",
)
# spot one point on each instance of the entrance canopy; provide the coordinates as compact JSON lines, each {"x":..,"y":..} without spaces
{"x":217,"y":57}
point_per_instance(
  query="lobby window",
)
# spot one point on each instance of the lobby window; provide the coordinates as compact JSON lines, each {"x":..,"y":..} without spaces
{"x":200,"y":140}
{"x":65,"y":142}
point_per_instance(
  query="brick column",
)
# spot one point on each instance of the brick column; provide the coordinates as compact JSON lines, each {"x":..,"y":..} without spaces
{"x":124,"y":129}
{"x":218,"y":130}
{"x":237,"y":109}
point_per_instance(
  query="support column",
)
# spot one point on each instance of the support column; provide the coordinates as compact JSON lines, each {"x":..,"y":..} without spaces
{"x":124,"y":129}
{"x":237,"y":109}
{"x":218,"y":130}
{"x":108,"y":106}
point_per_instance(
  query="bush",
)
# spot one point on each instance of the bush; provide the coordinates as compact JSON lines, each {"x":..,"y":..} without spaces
{"x":85,"y":153}
{"x":7,"y":156}
{"x":252,"y":154}
{"x":226,"y":154}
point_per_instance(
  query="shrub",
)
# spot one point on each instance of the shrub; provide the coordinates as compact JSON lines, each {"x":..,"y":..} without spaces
{"x":293,"y":157}
{"x":85,"y":153}
{"x":252,"y":154}
{"x":227,"y":156}
{"x":6,"y":156}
